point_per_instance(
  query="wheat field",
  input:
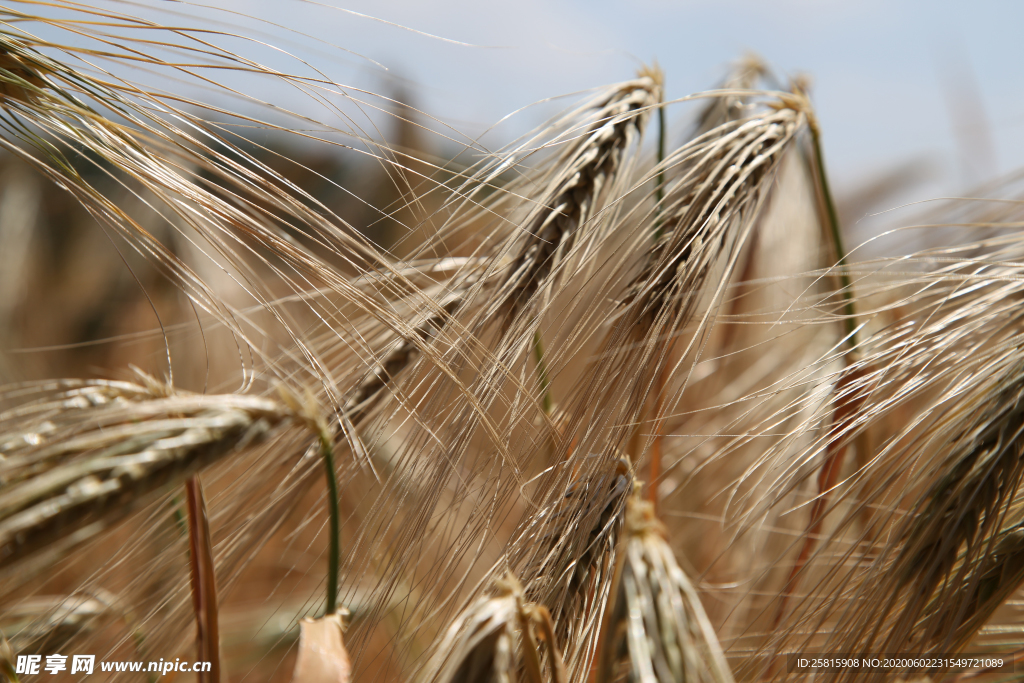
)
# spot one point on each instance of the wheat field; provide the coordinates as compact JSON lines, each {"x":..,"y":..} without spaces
{"x":615,"y":401}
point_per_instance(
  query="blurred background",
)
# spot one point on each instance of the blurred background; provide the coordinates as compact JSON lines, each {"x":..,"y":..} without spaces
{"x":893,"y":82}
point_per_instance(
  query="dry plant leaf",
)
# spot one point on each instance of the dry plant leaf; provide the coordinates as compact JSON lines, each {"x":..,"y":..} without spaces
{"x":322,"y":654}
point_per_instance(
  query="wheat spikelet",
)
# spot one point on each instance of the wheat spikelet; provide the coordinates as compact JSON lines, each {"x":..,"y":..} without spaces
{"x":914,"y":528}
{"x":102,"y":451}
{"x":721,"y":184}
{"x":655,"y":628}
{"x":959,"y":511}
{"x":551,"y":217}
{"x":575,"y":197}
{"x":565,"y":554}
{"x":495,"y":639}
{"x":136,"y":441}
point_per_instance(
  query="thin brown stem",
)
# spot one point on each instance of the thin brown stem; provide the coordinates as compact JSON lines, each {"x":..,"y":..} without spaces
{"x":846,"y":407}
{"x":542,"y":373}
{"x":204,"y":582}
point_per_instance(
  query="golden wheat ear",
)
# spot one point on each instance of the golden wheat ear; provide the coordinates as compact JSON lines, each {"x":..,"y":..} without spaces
{"x":550,"y":221}
{"x":495,"y":640}
{"x":565,"y":553}
{"x":722,"y":181}
{"x":86,"y":454}
{"x":655,"y":629}
{"x":920,"y":546}
{"x":575,"y":195}
{"x":938,"y":574}
{"x":958,"y":534}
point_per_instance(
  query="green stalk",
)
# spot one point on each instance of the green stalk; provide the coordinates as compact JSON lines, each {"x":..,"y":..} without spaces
{"x":542,"y":373}
{"x":334,"y":552}
{"x":659,"y":187}
{"x":654,"y":468}
{"x":837,"y":237}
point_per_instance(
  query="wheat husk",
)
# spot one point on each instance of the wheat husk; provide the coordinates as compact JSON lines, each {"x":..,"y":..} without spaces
{"x":655,"y":629}
{"x":95,"y":454}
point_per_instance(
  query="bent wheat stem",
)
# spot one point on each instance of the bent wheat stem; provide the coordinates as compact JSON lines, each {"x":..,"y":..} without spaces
{"x":310,"y":412}
{"x":334,"y":550}
{"x":835,"y":231}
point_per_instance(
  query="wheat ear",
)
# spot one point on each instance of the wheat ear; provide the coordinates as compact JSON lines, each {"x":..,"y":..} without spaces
{"x":956,"y":537}
{"x":718,"y":187}
{"x":107,"y":452}
{"x":575,"y":196}
{"x":565,"y":554}
{"x":655,"y":626}
{"x":495,"y":638}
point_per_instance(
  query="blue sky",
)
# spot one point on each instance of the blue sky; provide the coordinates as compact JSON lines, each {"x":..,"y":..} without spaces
{"x":892,"y":81}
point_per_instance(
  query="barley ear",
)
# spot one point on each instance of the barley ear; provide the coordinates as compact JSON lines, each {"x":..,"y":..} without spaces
{"x":104,"y":458}
{"x":566,"y":553}
{"x":572,"y":203}
{"x":481,"y":643}
{"x":655,"y":627}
